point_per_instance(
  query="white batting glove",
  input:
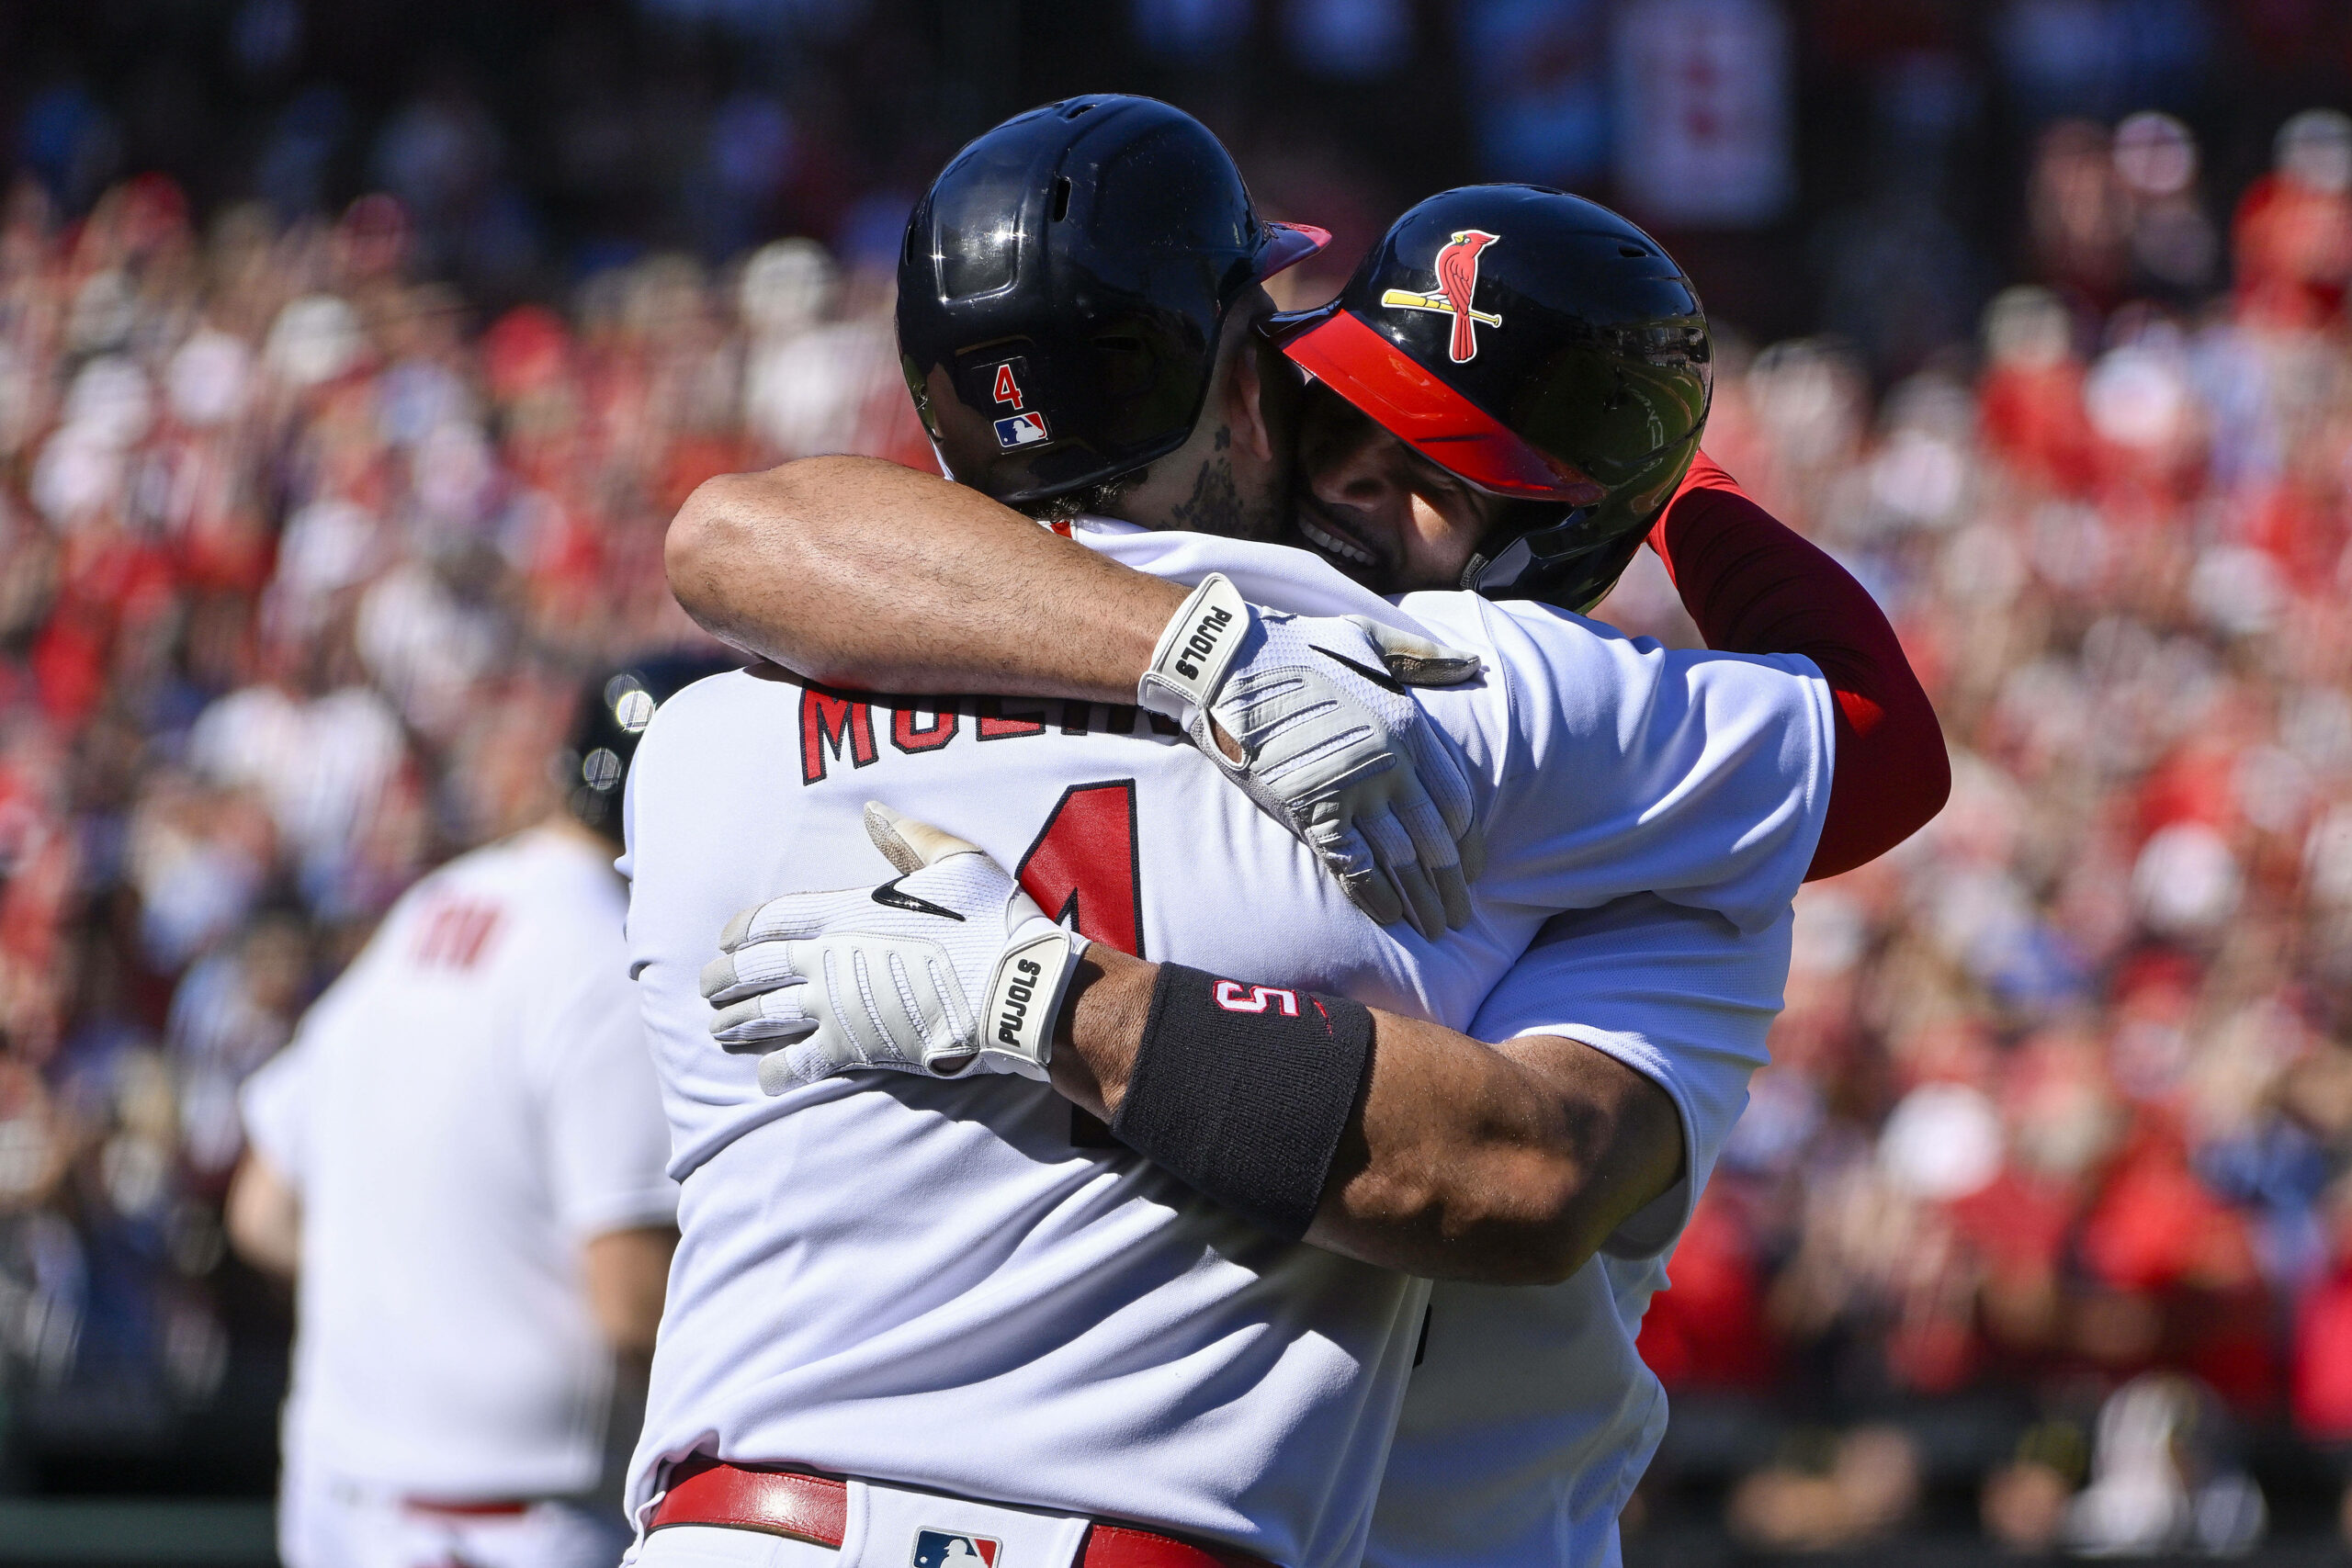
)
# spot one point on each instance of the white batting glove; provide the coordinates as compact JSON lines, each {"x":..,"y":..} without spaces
{"x":1332,"y":747}
{"x":946,"y":968}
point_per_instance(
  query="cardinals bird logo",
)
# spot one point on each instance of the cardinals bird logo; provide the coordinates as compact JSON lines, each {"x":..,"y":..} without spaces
{"x":1457,"y":281}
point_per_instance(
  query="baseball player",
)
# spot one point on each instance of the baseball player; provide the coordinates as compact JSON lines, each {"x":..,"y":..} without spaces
{"x":944,"y":1290}
{"x":460,"y":1158}
{"x":1533,"y":1418}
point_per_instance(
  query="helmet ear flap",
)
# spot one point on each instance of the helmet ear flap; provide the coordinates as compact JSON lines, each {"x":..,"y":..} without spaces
{"x":1571,"y":558}
{"x":1576,"y":581}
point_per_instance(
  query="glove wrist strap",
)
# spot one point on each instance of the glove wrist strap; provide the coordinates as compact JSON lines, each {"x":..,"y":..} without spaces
{"x":1023,"y":999}
{"x":1195,"y":650}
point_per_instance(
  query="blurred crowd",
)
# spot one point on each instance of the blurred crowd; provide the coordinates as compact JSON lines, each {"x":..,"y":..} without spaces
{"x":2044,"y":1202}
{"x":2044,"y":1198}
{"x":301,"y":570}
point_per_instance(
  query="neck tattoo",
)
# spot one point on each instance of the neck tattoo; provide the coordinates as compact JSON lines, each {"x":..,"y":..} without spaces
{"x":1216,"y":505}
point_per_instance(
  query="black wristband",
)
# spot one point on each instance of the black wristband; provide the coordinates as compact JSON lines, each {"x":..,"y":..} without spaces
{"x":1242,"y":1091}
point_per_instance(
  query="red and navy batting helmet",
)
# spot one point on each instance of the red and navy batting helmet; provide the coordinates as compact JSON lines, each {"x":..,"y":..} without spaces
{"x":1539,"y":348}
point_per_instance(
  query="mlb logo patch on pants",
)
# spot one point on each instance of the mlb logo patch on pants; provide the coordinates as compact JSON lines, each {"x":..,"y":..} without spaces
{"x":947,"y":1549}
{"x":893,"y":1527}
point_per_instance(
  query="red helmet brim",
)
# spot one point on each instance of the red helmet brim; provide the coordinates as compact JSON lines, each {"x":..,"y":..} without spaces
{"x":1339,"y":349}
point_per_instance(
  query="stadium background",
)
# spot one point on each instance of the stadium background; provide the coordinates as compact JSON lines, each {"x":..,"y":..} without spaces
{"x":353,"y":356}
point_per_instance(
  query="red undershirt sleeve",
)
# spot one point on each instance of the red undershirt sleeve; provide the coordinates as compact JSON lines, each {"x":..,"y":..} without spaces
{"x":1752,"y":585}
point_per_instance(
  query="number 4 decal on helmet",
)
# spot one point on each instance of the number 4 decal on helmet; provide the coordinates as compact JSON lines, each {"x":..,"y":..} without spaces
{"x":1027,"y":425}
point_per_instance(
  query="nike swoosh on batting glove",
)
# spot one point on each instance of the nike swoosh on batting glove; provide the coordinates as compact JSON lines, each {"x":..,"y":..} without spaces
{"x":1333,"y":746}
{"x":947,"y":968}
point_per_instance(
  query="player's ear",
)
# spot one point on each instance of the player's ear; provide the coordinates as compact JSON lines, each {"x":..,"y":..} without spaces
{"x":1253,"y":387}
{"x":1246,"y":411}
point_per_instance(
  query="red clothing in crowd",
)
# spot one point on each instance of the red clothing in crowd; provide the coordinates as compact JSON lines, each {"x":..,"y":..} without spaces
{"x":2032,"y":418}
{"x":2323,"y":1356}
{"x":2293,"y":246}
{"x":1706,"y":1329}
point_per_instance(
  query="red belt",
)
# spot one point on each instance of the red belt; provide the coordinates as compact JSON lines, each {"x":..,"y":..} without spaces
{"x":815,"y":1508}
{"x":502,"y":1508}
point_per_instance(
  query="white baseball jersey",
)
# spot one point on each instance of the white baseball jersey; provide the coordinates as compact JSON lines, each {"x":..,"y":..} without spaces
{"x":469,"y":1103}
{"x":1531,"y":1417}
{"x":946,"y":1283}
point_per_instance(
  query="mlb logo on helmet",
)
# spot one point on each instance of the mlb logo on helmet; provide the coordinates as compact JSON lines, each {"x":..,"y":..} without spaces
{"x":947,"y":1549}
{"x":1021,"y":429}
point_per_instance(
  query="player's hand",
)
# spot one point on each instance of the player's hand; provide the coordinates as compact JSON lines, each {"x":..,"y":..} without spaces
{"x":946,"y":968}
{"x":1332,"y":745}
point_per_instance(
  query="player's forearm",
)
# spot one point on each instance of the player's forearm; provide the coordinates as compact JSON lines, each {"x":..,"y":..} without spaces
{"x":1495,"y":1163}
{"x":1505,"y":1165}
{"x":263,"y":1218}
{"x":858,"y":573}
{"x":625,"y":1274}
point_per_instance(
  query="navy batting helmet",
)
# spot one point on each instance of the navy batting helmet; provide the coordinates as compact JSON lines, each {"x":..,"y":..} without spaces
{"x":614,"y":710}
{"x":1062,"y":289}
